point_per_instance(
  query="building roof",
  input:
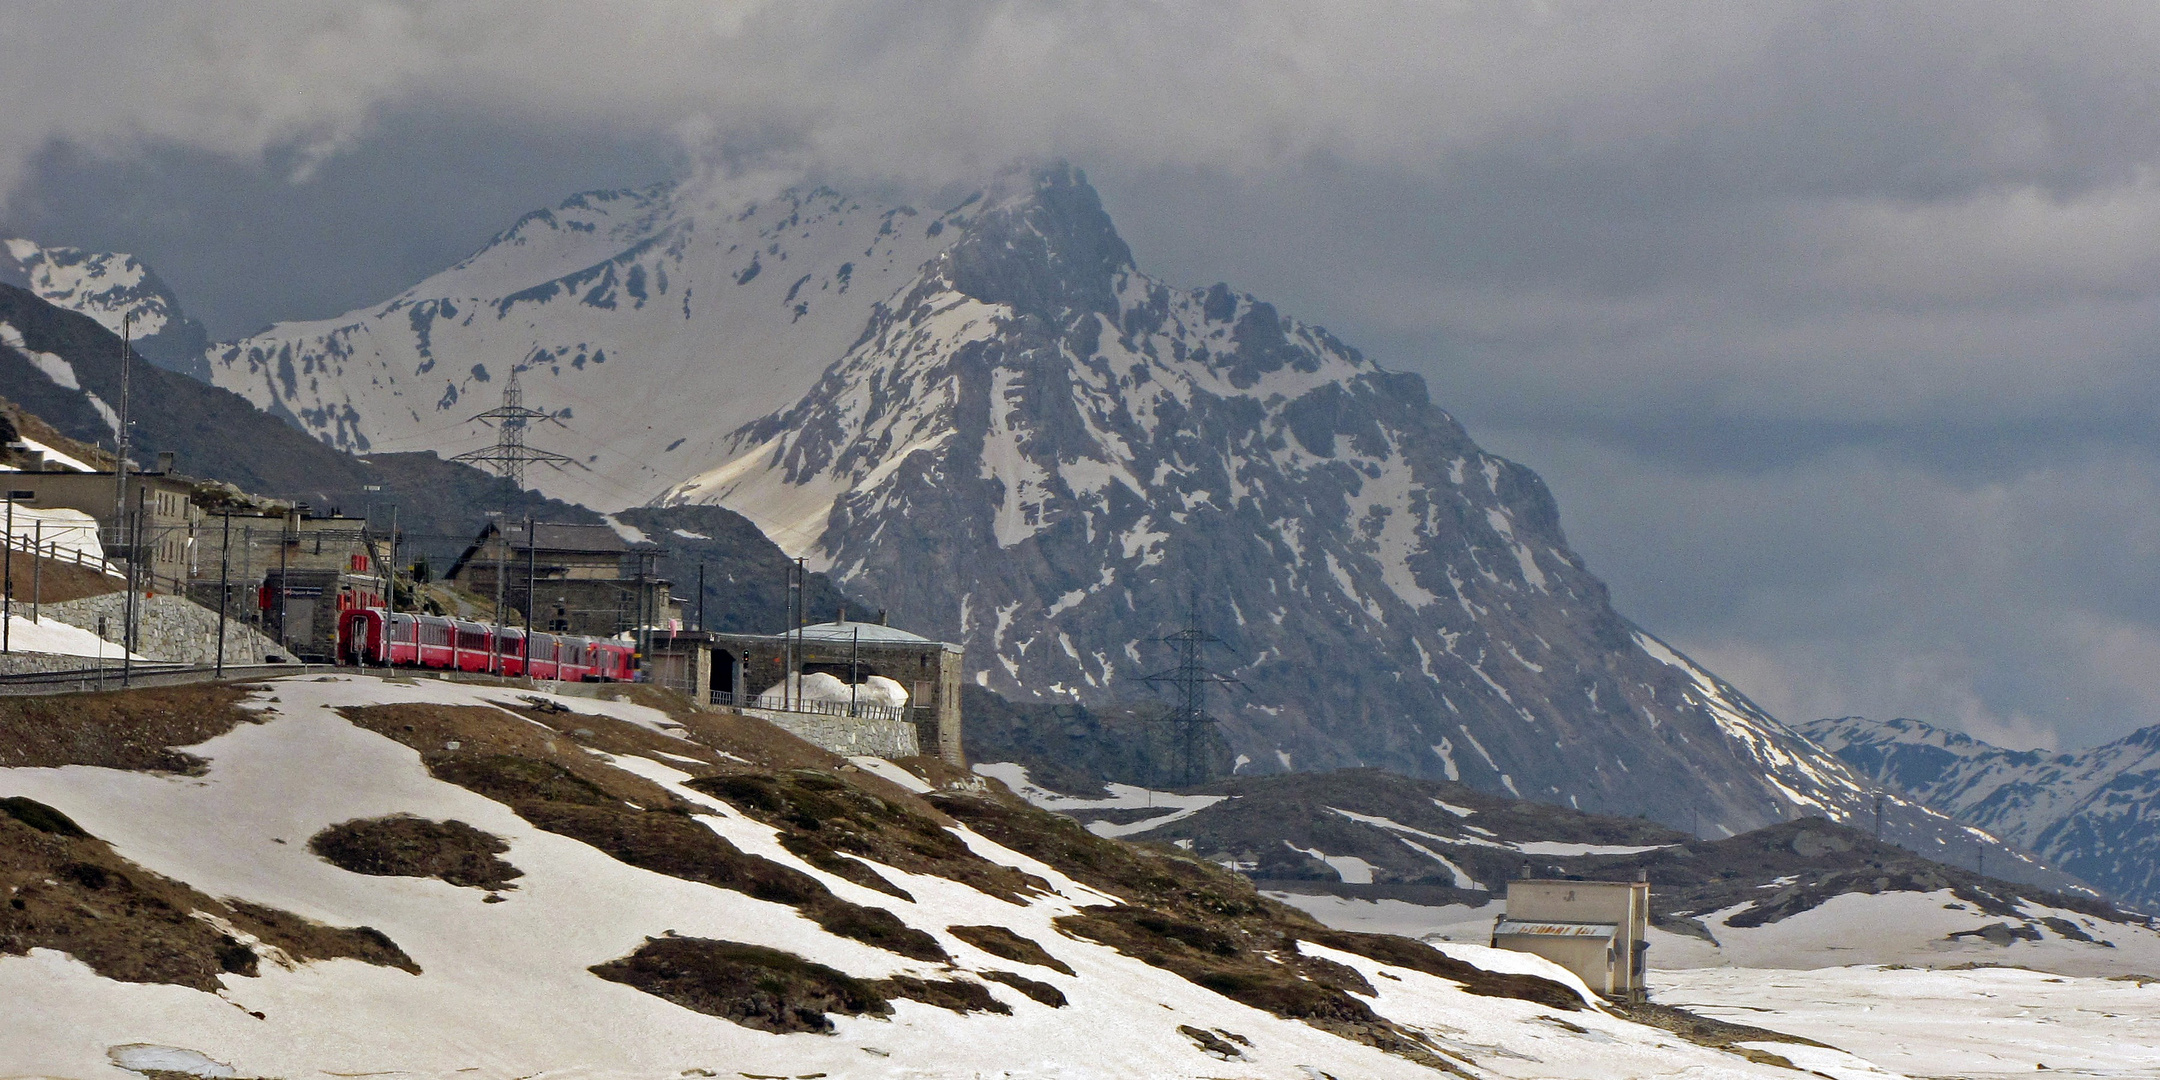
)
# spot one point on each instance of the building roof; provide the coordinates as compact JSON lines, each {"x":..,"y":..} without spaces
{"x":546,"y":537}
{"x":553,"y":537}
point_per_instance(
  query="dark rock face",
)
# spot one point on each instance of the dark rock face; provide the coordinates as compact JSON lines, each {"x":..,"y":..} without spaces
{"x":2088,"y":812}
{"x":1041,"y":452}
{"x":746,"y":575}
{"x":1072,"y":748}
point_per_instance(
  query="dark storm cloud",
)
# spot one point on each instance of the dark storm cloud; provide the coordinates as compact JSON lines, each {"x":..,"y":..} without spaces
{"x":244,"y":246}
{"x":1833,"y":325}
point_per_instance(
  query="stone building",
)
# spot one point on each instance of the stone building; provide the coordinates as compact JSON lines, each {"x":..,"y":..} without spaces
{"x":170,"y":522}
{"x":580,"y":579}
{"x":745,"y":667}
{"x":315,"y":569}
{"x":1596,"y":929}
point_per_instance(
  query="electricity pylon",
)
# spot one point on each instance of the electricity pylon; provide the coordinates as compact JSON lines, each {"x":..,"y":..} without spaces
{"x":1191,"y":678}
{"x":509,"y":455}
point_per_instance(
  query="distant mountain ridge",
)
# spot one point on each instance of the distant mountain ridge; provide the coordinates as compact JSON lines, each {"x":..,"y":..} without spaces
{"x":112,"y":288}
{"x":2090,"y":812}
{"x":643,"y":318}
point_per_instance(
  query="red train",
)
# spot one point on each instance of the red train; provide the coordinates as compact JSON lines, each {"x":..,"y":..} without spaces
{"x":372,"y":637}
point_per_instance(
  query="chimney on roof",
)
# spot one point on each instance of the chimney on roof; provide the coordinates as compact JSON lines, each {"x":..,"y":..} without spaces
{"x":881,"y":618}
{"x":167,"y":461}
{"x":842,"y":617}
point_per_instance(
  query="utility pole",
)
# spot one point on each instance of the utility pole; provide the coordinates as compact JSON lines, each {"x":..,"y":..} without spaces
{"x":794,"y":606}
{"x":37,"y":571}
{"x":286,"y":540}
{"x":224,"y":596}
{"x":7,"y":577}
{"x":502,"y":551}
{"x":701,"y":597}
{"x":531,"y":583}
{"x":247,"y":573}
{"x":532,"y":570}
{"x":121,"y":443}
{"x":390,"y":601}
{"x":1191,"y":678}
{"x":127,"y":629}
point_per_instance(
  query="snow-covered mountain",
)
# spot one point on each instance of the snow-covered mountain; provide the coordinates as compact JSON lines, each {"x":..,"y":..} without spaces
{"x":111,"y":288}
{"x":989,"y":421}
{"x":644,"y":319}
{"x":2089,"y":812}
{"x":1037,"y":450}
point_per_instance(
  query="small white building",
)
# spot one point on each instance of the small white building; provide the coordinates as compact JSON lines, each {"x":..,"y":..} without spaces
{"x":1595,"y":929}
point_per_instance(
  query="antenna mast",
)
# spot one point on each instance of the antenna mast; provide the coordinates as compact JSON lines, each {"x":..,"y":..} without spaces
{"x":1191,"y":678}
{"x":509,"y":455}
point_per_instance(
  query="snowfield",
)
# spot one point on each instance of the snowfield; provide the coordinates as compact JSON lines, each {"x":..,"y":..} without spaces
{"x":505,"y":991}
{"x":1986,"y":1022}
{"x":1911,"y":929}
{"x":1873,"y":976}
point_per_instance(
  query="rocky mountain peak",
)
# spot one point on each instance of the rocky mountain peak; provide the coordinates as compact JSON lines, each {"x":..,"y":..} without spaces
{"x":1042,"y":245}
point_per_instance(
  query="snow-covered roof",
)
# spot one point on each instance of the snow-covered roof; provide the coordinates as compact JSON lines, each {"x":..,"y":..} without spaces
{"x":842,"y":630}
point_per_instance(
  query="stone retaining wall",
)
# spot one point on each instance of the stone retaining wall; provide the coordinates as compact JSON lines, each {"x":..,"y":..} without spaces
{"x":845,"y":734}
{"x":169,"y":628}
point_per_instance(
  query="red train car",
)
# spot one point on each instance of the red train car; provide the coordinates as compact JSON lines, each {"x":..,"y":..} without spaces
{"x":372,"y":637}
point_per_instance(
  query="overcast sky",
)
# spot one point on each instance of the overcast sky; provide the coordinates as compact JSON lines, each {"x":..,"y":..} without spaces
{"x":1832,"y":326}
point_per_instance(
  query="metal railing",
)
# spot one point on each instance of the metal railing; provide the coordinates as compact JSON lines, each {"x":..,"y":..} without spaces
{"x":862,"y":710}
{"x":53,"y":552}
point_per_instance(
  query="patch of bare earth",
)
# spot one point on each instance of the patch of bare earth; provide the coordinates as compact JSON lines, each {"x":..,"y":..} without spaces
{"x":1213,"y":929}
{"x":773,"y":990}
{"x":122,"y":729}
{"x":67,"y":890}
{"x":404,"y":846}
{"x":1716,"y":1034}
{"x":751,"y":985}
{"x":824,"y":818}
{"x":1041,"y":991}
{"x":1001,"y":942}
{"x":548,"y":780}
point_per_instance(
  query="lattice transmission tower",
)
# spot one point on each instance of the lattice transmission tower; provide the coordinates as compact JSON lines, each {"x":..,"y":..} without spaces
{"x":509,"y":456}
{"x":1191,"y":679}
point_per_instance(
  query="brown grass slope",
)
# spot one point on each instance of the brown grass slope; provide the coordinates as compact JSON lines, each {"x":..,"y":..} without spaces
{"x":124,"y":729}
{"x":554,"y":784}
{"x":1213,"y":929}
{"x":67,"y":890}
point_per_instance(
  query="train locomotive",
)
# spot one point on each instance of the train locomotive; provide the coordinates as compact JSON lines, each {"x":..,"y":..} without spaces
{"x":373,"y":637}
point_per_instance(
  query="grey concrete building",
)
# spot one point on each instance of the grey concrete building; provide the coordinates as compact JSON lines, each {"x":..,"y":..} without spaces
{"x":1596,"y":929}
